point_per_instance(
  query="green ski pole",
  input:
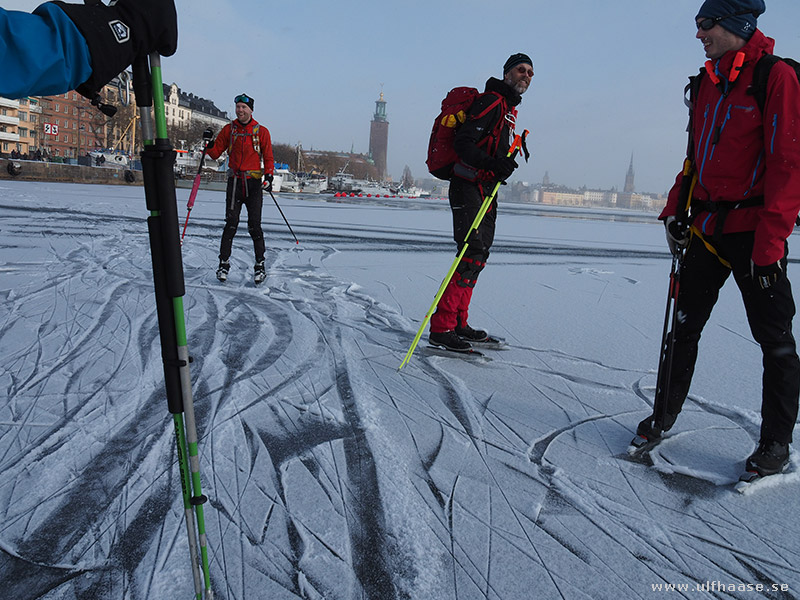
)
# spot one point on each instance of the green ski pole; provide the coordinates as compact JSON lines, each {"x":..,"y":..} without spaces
{"x":487,"y":202}
{"x":158,"y":158}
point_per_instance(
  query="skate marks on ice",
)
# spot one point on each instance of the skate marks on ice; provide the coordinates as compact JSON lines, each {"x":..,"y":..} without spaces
{"x":85,"y":443}
{"x":329,"y":474}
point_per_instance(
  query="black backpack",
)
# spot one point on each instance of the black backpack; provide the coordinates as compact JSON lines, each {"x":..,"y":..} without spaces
{"x":761,"y":76}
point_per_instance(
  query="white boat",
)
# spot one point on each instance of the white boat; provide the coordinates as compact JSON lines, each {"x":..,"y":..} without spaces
{"x":287,"y":181}
{"x":412,"y":192}
{"x":187,"y":161}
{"x":314,"y":184}
{"x":371,"y":188}
{"x":342,"y":182}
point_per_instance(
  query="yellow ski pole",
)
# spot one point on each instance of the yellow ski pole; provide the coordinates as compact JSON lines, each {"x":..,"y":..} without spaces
{"x":487,"y":202}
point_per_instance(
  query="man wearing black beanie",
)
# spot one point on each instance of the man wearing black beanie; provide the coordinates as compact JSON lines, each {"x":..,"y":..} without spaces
{"x":481,"y":144}
{"x":249,"y":145}
{"x":742,"y":182}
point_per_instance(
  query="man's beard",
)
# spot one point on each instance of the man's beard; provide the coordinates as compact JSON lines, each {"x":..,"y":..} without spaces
{"x":520,"y":87}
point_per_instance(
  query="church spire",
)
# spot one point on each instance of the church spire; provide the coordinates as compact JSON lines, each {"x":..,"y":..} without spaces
{"x":629,"y":187}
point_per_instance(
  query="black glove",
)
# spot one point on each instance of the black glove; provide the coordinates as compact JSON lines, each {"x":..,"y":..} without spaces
{"x":117,"y":35}
{"x":503,"y":167}
{"x":766,"y":276}
{"x":208,"y":134}
{"x":268,"y":177}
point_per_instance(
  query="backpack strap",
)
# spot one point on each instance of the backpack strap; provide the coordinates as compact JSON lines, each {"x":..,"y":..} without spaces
{"x":256,"y":140}
{"x":492,"y":140}
{"x":760,"y":78}
{"x":690,"y":93}
{"x":499,"y":99}
{"x":230,"y":141}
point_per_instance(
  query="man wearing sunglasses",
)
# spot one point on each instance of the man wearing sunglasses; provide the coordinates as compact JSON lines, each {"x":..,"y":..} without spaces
{"x":248,"y":145}
{"x":744,"y":165}
{"x":481,"y":143}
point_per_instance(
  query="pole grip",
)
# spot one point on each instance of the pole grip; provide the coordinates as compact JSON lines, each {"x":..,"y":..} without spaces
{"x":159,"y":184}
{"x":516,"y":145}
{"x":165,"y":313}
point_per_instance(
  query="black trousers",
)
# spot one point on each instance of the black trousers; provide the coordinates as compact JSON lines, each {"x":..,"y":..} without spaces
{"x":769,"y":314}
{"x":466,"y":199}
{"x":247,"y":191}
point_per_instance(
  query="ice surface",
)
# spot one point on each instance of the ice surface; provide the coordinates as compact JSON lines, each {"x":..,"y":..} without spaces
{"x":331,"y":474}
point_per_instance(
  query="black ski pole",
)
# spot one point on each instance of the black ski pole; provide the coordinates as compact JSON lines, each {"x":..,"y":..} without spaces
{"x":158,"y":159}
{"x":284,"y":217}
{"x":667,"y":352}
{"x":664,"y":376}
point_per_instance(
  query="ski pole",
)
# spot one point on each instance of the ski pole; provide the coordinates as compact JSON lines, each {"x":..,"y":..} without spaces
{"x":667,"y":350}
{"x":196,"y":185}
{"x":516,"y":146}
{"x":284,"y":217}
{"x":158,"y":158}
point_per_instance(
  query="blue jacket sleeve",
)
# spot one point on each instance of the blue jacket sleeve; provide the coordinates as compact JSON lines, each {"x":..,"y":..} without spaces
{"x":42,"y":53}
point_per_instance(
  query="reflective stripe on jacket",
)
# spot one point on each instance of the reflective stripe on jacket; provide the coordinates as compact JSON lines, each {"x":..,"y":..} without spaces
{"x":741,"y":153}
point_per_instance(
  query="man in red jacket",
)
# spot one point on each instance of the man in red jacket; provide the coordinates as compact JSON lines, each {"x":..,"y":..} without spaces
{"x":743,"y":209}
{"x":248,"y":144}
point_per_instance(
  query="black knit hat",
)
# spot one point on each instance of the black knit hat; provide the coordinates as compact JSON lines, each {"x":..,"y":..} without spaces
{"x":246,"y":99}
{"x":737,"y":16}
{"x":516,"y":59}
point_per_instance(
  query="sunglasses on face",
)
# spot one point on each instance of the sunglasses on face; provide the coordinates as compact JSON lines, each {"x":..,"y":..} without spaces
{"x":242,"y":98}
{"x":525,"y":71}
{"x":708,"y":23}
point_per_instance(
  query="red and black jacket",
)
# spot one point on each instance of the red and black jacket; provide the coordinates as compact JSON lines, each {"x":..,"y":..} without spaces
{"x":472,"y":143}
{"x":743,"y":155}
{"x":237,"y":140}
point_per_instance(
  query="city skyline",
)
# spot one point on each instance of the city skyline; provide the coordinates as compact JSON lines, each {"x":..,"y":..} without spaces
{"x":608,"y":79}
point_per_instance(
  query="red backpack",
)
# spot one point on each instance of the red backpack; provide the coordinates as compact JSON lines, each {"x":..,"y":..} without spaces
{"x":441,"y":153}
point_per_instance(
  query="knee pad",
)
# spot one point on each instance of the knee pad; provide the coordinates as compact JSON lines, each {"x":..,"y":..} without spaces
{"x":468,"y":270}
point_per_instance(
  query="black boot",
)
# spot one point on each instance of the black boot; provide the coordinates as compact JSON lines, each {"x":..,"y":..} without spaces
{"x":116,"y":35}
{"x":471,"y":335}
{"x":222,"y":270}
{"x":449,"y":340}
{"x":259,"y":272}
{"x":769,"y":458}
{"x":651,"y":430}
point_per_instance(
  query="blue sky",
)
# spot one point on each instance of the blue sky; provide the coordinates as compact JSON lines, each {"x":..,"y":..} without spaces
{"x":608,"y":82}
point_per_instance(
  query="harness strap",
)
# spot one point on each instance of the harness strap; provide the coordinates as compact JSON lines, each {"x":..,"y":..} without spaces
{"x":695,"y":231}
{"x":235,"y":134}
{"x":723,"y":209}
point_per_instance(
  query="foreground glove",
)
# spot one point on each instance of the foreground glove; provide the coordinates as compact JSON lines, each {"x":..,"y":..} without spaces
{"x":268,"y":178}
{"x":766,"y":277}
{"x":117,"y":35}
{"x":677,"y":240}
{"x":503,"y":167}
